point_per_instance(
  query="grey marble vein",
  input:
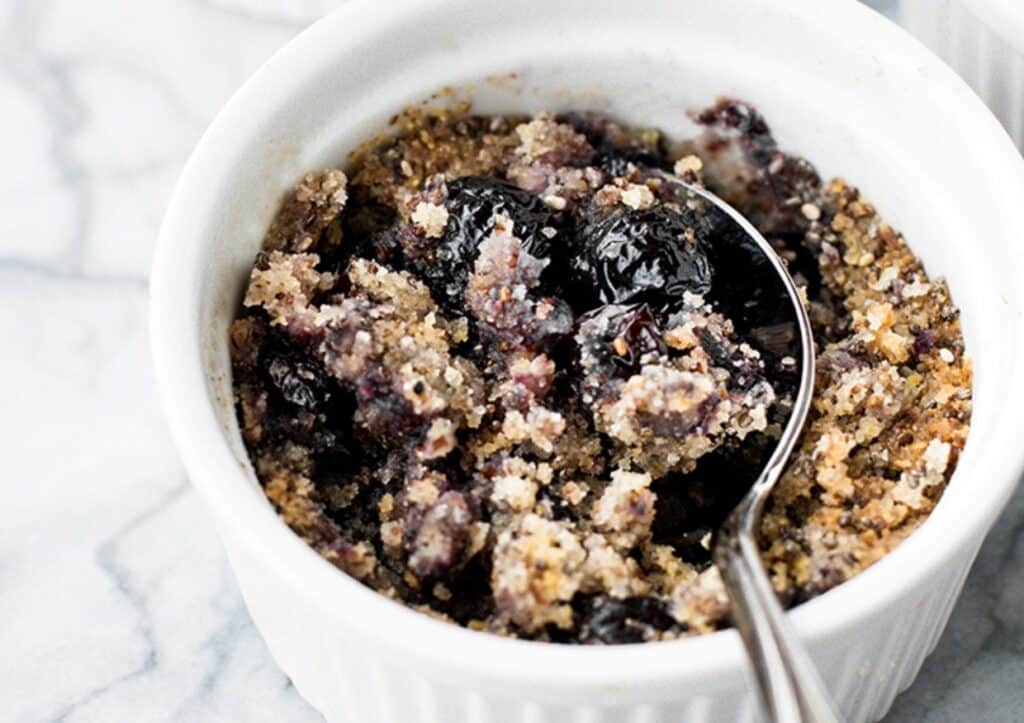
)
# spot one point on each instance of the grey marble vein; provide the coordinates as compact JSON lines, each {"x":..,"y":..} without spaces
{"x":123,"y":579}
{"x":46,"y":82}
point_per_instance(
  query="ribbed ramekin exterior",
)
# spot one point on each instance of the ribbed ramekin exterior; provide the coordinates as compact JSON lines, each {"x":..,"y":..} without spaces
{"x":338,"y":667}
{"x":991,"y":64}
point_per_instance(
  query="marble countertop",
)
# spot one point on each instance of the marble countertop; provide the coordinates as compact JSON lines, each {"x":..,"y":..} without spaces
{"x":116,"y":599}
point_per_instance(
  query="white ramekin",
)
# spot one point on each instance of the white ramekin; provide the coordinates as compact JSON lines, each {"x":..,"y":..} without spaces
{"x":984,"y":42}
{"x":852,"y":92}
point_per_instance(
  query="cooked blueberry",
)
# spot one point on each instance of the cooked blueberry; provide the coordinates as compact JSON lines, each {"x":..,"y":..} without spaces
{"x":748,"y":123}
{"x":616,"y":148}
{"x":298,"y":381}
{"x":473,"y":202}
{"x":590,"y":124}
{"x":651,"y":256}
{"x":633,"y":620}
{"x":617,"y":336}
{"x":616,"y":162}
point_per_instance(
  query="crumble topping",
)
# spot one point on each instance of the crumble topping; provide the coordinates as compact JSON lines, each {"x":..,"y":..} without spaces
{"x":538,"y":567}
{"x":309,"y":216}
{"x":494,"y":372}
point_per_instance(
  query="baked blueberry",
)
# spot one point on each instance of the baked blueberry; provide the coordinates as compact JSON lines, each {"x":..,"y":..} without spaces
{"x":633,"y":620}
{"x":652,"y":256}
{"x":473,"y":203}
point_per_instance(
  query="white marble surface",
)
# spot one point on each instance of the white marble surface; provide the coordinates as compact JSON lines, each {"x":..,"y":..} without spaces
{"x":116,"y":601}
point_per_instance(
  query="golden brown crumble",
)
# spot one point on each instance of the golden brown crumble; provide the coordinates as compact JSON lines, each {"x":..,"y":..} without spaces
{"x":891,"y":409}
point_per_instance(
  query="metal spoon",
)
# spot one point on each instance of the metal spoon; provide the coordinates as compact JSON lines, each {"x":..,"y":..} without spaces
{"x":790,"y":688}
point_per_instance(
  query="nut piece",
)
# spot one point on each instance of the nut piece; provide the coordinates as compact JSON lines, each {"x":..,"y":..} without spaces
{"x":430,"y":218}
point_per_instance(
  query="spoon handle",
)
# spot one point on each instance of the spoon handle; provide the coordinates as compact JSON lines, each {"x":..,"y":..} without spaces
{"x":789,"y":685}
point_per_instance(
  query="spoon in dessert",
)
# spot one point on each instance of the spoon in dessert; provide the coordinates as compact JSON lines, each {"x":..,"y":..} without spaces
{"x":790,"y":688}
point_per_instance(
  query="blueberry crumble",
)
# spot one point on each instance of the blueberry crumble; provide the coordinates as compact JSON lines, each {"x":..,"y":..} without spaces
{"x":499,"y":371}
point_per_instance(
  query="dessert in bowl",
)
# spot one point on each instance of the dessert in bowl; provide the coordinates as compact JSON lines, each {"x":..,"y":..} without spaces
{"x":349,"y":649}
{"x":515,"y":375}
